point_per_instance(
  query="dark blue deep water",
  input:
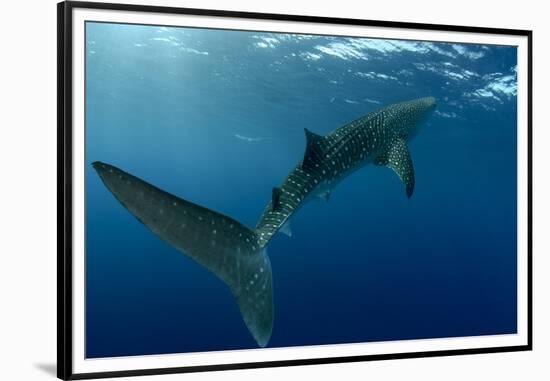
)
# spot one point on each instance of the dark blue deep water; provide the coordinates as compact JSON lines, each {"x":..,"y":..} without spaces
{"x":218,"y":117}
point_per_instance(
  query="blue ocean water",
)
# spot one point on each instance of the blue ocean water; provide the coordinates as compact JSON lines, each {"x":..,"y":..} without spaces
{"x":217,"y":118}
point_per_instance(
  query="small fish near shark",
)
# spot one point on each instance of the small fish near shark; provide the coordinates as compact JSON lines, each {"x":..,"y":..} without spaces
{"x":237,"y":254}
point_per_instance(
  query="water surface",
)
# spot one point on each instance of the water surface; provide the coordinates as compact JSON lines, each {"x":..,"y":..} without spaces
{"x":217,"y":118}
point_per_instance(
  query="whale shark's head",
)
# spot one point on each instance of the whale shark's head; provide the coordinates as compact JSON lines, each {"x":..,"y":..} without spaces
{"x":425,"y":105}
{"x":419,"y":111}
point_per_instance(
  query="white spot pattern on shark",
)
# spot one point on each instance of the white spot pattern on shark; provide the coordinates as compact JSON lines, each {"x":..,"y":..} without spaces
{"x":237,"y":256}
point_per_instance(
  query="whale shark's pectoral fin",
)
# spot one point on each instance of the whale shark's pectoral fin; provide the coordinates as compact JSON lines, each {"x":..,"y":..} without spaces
{"x":398,"y":158}
{"x":221,"y":244}
{"x":314,"y":150}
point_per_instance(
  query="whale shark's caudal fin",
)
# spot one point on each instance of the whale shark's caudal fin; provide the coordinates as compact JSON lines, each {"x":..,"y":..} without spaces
{"x":222,"y":245}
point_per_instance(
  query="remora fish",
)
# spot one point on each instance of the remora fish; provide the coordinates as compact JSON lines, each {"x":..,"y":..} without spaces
{"x":237,"y":254}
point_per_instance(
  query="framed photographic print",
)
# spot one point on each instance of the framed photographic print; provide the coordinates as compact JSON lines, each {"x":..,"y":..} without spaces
{"x":250,"y":190}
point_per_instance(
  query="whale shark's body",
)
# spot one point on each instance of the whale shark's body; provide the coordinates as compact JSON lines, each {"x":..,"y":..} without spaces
{"x":235,"y":253}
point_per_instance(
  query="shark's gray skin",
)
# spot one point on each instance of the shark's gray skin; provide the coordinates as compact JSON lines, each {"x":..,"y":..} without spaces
{"x":236,"y":254}
{"x":379,"y":137}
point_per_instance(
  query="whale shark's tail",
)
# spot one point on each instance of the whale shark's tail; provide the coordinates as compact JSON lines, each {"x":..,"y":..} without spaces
{"x":222,"y":245}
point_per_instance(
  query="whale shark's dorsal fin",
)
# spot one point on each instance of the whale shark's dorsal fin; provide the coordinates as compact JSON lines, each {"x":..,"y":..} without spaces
{"x":314,"y":150}
{"x":276,"y":198}
{"x":398,"y":158}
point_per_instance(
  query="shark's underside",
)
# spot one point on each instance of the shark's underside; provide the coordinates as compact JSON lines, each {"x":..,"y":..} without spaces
{"x":235,"y":253}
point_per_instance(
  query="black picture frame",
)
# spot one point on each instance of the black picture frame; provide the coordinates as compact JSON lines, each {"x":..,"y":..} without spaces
{"x":65,"y":179}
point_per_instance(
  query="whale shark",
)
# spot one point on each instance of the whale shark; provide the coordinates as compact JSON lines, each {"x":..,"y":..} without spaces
{"x":237,"y":254}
